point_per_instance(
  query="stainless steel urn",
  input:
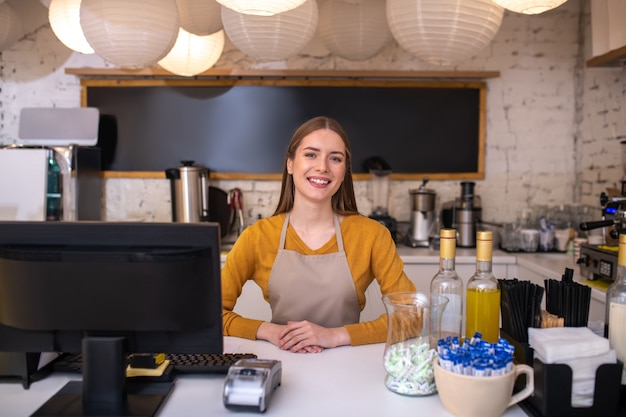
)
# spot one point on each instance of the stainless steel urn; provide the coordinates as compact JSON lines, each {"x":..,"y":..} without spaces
{"x":190,"y":196}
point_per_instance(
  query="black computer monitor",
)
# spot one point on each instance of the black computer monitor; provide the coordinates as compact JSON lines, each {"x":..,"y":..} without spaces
{"x":109,"y":289}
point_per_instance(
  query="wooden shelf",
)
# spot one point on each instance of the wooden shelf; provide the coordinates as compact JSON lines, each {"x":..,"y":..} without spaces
{"x":304,"y":74}
{"x":277,"y":176}
{"x":614,"y":58}
{"x":213,"y":175}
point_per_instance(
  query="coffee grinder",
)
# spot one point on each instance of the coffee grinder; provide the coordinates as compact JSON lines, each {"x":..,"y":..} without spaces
{"x":380,"y":182}
{"x":423,"y":216}
{"x":463,"y":214}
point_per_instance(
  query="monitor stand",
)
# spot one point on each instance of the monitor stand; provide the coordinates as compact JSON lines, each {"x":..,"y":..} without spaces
{"x":104,"y":390}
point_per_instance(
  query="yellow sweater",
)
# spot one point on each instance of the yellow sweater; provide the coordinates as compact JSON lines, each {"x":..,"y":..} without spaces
{"x":370,"y":251}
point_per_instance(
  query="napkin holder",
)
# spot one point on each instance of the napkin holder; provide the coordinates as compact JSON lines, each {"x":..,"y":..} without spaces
{"x":553,"y":391}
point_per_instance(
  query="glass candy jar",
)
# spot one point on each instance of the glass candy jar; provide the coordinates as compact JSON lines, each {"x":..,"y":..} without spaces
{"x":414,"y":328}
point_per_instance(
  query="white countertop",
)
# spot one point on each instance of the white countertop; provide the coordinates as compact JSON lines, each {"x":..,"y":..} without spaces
{"x":345,"y":381}
{"x":428,"y":256}
{"x":552,"y":265}
{"x":463,"y":256}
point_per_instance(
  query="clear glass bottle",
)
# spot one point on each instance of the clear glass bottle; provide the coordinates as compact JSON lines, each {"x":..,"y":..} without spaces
{"x":616,"y":307}
{"x":448,"y":283}
{"x":53,"y":195}
{"x":483,"y":293}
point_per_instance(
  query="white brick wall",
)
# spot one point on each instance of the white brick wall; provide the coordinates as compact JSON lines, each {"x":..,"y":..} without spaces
{"x":553,"y":126}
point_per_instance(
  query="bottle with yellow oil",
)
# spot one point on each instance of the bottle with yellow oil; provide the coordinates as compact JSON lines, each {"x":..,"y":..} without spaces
{"x":482,"y":313}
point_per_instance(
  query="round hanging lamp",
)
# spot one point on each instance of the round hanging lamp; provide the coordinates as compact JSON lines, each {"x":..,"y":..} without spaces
{"x":261,"y":7}
{"x":11,"y":28}
{"x":64,"y":17}
{"x":355,"y":30}
{"x":529,"y":6}
{"x":272,"y":37}
{"x":130,"y":33}
{"x":443,"y":32}
{"x":200,"y":17}
{"x":193,"y":54}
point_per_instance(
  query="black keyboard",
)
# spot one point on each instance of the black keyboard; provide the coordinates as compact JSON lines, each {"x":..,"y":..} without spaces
{"x":183,"y":363}
{"x":205,"y":363}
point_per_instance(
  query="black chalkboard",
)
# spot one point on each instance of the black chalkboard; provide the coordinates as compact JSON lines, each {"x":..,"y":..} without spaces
{"x":246,"y":128}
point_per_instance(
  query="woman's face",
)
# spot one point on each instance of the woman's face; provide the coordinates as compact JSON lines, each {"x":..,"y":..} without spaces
{"x":319,"y":165}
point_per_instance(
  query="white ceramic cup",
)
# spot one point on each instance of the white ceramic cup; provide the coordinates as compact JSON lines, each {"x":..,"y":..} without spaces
{"x":562,"y":239}
{"x":530,"y":240}
{"x":577,"y":242}
{"x":488,"y":396}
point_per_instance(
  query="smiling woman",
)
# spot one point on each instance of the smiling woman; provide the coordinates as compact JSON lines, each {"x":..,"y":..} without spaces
{"x":316,"y":256}
{"x":319,"y":164}
{"x":320,"y":150}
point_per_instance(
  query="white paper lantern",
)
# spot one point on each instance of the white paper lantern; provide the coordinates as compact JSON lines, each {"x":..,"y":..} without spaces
{"x":64,"y":17}
{"x":443,"y":32}
{"x":272,"y":37}
{"x":354,"y":30}
{"x":261,"y":7}
{"x":130,"y":33}
{"x":529,"y":6}
{"x":193,"y":54}
{"x":11,"y":28}
{"x":200,"y":17}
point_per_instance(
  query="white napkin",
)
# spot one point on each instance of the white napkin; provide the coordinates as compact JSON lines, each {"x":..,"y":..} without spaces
{"x":582,"y":393}
{"x":584,"y":368}
{"x":579,"y":348}
{"x":564,"y":343}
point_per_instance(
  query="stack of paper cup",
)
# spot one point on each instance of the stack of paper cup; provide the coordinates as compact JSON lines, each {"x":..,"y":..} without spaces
{"x":577,"y":242}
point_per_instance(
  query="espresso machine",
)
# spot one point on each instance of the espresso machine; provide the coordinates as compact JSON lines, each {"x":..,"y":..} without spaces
{"x":423,"y":216}
{"x":463,"y":214}
{"x":600,"y":261}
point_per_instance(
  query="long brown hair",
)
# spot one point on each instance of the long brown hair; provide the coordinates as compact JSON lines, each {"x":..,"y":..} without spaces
{"x":343,"y":201}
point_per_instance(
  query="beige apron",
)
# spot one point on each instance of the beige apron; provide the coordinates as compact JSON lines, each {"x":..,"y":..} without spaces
{"x":317,"y":288}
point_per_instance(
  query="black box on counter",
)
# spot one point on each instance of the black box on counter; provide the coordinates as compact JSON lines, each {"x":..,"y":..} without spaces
{"x":523,"y":352}
{"x":552,"y":396}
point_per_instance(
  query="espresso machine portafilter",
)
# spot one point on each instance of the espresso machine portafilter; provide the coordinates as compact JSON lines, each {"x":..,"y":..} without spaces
{"x":613,"y":208}
{"x":613,"y":216}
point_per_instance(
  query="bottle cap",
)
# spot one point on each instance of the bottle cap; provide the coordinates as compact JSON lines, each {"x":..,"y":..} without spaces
{"x":447,"y":233}
{"x":484,"y":245}
{"x":447,"y":245}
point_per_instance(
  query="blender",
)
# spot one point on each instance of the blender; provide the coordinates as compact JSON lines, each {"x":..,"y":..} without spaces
{"x":380,"y":182}
{"x":423,"y":216}
{"x":463,"y":214}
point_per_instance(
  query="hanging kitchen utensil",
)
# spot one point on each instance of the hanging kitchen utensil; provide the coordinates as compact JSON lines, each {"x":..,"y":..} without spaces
{"x":237,"y":223}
